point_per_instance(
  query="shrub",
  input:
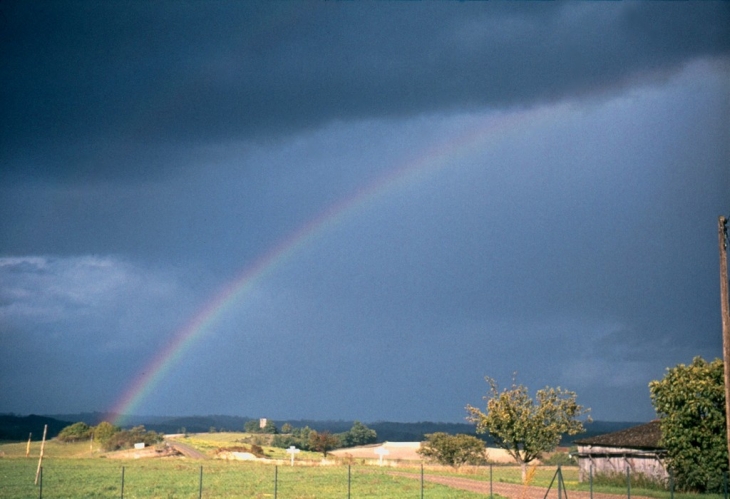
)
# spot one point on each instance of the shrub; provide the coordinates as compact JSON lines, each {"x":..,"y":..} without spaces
{"x":638,"y":480}
{"x":690,"y":402}
{"x":453,"y":450}
{"x":299,"y":438}
{"x":359,"y":434}
{"x":75,"y":432}
{"x":104,"y":431}
{"x":560,"y":458}
{"x":126,"y":439}
{"x":323,"y":442}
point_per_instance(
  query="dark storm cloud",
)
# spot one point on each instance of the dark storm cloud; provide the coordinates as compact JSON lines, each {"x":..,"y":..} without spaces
{"x":442,"y":191}
{"x":98,"y":90}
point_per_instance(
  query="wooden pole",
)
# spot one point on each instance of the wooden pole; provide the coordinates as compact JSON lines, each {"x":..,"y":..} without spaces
{"x":27,"y":448}
{"x":725,"y":311}
{"x":40,"y":459}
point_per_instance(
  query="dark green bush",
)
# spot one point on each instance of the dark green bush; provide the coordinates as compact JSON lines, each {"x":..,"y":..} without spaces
{"x":75,"y":432}
{"x":126,"y":439}
{"x":638,"y":481}
{"x":559,"y":458}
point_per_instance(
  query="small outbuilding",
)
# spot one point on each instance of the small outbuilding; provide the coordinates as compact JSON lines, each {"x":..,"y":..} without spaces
{"x":637,"y":448}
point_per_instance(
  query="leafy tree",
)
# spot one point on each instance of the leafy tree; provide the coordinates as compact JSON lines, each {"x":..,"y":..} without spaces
{"x":75,"y":432}
{"x":453,"y":450}
{"x":284,"y":441}
{"x":104,"y":431}
{"x":690,"y":403}
{"x":359,"y":434}
{"x":286,"y":428}
{"x":126,"y":439}
{"x":524,"y":427}
{"x":298,"y":437}
{"x":270,"y":428}
{"x":323,"y":442}
{"x":251,"y":426}
{"x":303,"y":436}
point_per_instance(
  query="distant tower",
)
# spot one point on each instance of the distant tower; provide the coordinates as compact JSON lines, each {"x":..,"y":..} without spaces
{"x":262,"y":423}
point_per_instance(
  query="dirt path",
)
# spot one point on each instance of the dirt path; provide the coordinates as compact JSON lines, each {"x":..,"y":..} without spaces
{"x":186,"y":450}
{"x":510,"y":490}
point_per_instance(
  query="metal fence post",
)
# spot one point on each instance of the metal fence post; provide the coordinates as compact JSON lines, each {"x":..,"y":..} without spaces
{"x":276,"y":480}
{"x":122,"y":482}
{"x":421,"y":480}
{"x":200,"y":490}
{"x":671,"y":484}
{"x":628,"y":482}
{"x":725,"y":483}
{"x":40,"y":482}
{"x":560,"y":483}
{"x":590,"y":478}
{"x":349,"y":479}
{"x":491,"y":492}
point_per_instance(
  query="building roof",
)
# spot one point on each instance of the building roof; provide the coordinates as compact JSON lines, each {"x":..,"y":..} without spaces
{"x":646,"y":436}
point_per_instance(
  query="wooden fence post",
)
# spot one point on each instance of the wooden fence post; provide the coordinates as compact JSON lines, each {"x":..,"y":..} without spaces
{"x":40,"y":459}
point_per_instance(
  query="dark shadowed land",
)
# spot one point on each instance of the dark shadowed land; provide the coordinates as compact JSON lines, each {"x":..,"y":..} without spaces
{"x":14,"y":427}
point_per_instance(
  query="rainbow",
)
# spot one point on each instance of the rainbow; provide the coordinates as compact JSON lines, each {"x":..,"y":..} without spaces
{"x":414,"y":171}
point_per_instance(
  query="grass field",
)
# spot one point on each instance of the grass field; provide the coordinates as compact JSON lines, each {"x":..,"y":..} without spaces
{"x":78,"y":470}
{"x":74,"y":470}
{"x":178,"y":478}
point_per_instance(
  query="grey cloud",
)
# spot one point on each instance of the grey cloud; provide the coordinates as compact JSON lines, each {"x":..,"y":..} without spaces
{"x":91,"y":297}
{"x":183,"y":146}
{"x":89,"y":83}
{"x":81,"y":318}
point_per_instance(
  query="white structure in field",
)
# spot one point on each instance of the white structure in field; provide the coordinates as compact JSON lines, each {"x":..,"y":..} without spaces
{"x":382,"y":451}
{"x":293,"y":451}
{"x":637,"y":448}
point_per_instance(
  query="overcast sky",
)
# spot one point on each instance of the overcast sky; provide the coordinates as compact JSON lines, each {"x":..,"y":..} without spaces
{"x":422,"y":195}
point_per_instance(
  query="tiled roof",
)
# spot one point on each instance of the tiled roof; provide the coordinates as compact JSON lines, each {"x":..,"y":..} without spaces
{"x":645,"y":436}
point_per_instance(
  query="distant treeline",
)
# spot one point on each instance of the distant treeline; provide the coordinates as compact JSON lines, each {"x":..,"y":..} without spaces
{"x":17,"y":428}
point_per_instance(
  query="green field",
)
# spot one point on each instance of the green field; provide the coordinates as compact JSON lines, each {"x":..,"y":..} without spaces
{"x":176,"y":478}
{"x":80,"y":470}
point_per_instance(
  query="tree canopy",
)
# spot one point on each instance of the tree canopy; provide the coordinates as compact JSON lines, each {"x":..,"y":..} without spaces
{"x":104,"y":431}
{"x":75,"y":432}
{"x":359,"y":434}
{"x":524,"y":427}
{"x":125,"y":439}
{"x":252,"y":426}
{"x":101,"y":433}
{"x":690,"y":403}
{"x":298,"y":437}
{"x":323,"y":442}
{"x":453,"y":450}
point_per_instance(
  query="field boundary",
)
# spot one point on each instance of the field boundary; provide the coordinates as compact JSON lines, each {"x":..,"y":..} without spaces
{"x":509,"y":490}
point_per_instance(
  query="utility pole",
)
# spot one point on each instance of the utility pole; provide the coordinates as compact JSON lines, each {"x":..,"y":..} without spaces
{"x":725,"y":311}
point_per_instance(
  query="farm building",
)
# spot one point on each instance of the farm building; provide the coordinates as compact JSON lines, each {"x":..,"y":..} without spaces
{"x":637,"y":448}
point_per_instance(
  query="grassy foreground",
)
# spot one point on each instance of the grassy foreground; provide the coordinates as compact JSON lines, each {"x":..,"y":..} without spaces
{"x":179,"y":478}
{"x":73,"y":470}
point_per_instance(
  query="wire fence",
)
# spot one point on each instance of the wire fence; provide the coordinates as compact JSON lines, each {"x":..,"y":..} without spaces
{"x":100,"y":478}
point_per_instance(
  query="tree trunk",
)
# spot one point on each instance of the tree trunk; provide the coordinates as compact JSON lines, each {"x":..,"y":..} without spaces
{"x":523,"y":465}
